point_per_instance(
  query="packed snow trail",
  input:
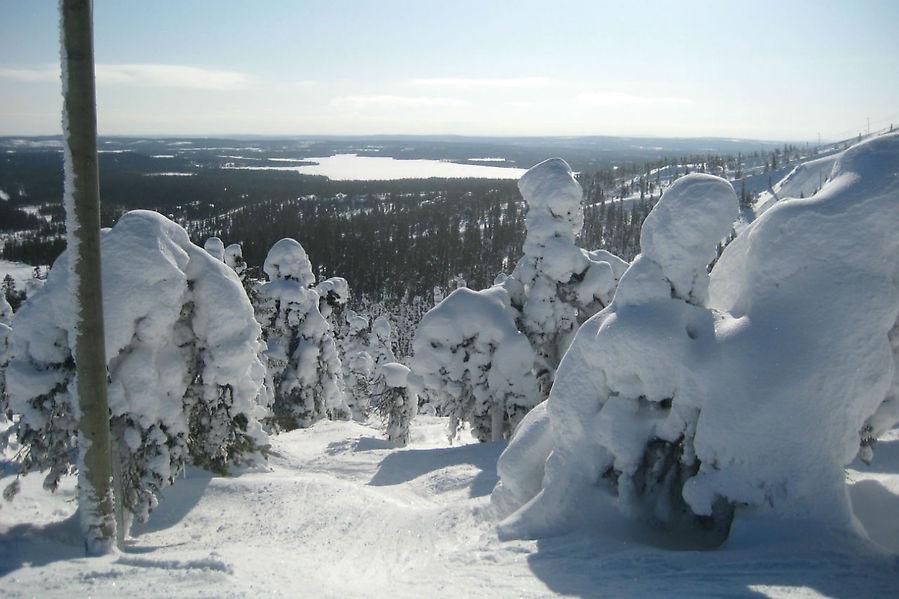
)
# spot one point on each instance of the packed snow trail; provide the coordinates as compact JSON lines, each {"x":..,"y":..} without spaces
{"x":339,"y":512}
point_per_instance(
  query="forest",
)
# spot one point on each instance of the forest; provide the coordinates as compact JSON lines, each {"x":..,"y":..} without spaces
{"x":392,"y":239}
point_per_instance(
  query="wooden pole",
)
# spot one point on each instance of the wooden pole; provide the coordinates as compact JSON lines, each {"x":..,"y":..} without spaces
{"x":82,"y":199}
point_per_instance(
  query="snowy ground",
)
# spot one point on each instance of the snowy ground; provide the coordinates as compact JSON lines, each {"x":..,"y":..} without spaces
{"x":21,"y":273}
{"x":339,"y":512}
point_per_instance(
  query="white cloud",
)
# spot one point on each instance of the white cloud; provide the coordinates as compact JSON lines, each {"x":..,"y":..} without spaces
{"x":42,"y":74}
{"x":470,"y":83}
{"x":614,"y":98}
{"x":170,"y":75}
{"x":387,"y":101}
{"x":141,"y":75}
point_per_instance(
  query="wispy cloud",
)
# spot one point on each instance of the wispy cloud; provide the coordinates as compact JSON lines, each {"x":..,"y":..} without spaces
{"x":142,"y":75}
{"x":387,"y":101}
{"x":459,"y":83}
{"x":42,"y":74}
{"x":171,"y":75}
{"x":615,"y":98}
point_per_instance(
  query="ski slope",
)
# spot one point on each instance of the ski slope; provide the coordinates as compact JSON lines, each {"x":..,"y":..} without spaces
{"x":339,"y":512}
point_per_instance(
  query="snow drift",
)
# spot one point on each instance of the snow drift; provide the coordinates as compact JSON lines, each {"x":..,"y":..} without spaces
{"x":690,"y":397}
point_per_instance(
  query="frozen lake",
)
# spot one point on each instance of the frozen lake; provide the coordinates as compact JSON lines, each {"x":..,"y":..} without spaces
{"x":351,"y":167}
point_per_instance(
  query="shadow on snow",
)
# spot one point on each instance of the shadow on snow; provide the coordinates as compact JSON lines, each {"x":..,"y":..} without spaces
{"x":405,"y":465}
{"x":589,"y":566}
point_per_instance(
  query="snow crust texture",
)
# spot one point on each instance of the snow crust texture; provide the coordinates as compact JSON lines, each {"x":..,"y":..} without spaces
{"x":691,"y":396}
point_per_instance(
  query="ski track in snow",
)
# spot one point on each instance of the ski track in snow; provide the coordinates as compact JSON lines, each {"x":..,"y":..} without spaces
{"x":339,"y":512}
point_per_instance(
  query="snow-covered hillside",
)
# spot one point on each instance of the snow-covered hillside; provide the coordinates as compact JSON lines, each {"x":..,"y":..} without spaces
{"x":339,"y":512}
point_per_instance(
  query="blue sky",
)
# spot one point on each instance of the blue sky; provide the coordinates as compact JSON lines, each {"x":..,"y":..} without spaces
{"x":757,"y":69}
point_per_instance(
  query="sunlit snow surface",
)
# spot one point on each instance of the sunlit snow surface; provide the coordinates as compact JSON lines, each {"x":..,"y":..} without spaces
{"x":339,"y":512}
{"x":351,"y":167}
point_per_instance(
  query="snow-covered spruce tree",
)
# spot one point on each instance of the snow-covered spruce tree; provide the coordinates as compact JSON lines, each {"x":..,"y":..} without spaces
{"x":552,"y":290}
{"x":380,"y":348}
{"x":556,"y":285}
{"x":621,"y":418}
{"x":398,"y":402}
{"x":358,"y":363}
{"x":475,"y":365}
{"x":233,"y":257}
{"x":334,"y":293}
{"x":303,"y":364}
{"x":181,"y":346}
{"x":6,"y":315}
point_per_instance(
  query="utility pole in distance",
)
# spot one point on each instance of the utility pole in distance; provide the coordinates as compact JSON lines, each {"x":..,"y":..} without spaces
{"x":82,"y":201}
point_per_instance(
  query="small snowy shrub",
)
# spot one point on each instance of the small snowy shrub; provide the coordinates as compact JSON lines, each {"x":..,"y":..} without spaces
{"x":380,"y":348}
{"x":303,"y":364}
{"x":233,"y":257}
{"x":398,"y":403}
{"x":181,"y":346}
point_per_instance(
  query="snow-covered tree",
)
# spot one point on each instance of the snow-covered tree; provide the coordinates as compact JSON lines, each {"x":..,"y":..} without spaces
{"x":693,"y":399}
{"x":358,"y":363}
{"x":380,"y":348}
{"x":233,"y":257}
{"x":475,"y":365}
{"x":181,"y":345}
{"x":6,"y":315}
{"x":556,"y":285}
{"x":334,"y":293}
{"x":552,"y":290}
{"x":399,"y":401}
{"x":303,"y":364}
{"x":626,"y":399}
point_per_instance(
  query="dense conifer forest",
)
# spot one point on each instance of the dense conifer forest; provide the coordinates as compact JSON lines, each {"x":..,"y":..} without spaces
{"x":392,"y":240}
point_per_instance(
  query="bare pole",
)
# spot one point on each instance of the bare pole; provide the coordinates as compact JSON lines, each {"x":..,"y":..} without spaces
{"x":82,"y":199}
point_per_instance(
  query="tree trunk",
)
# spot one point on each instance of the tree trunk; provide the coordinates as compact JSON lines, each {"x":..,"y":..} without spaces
{"x":82,"y":201}
{"x":497,"y":416}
